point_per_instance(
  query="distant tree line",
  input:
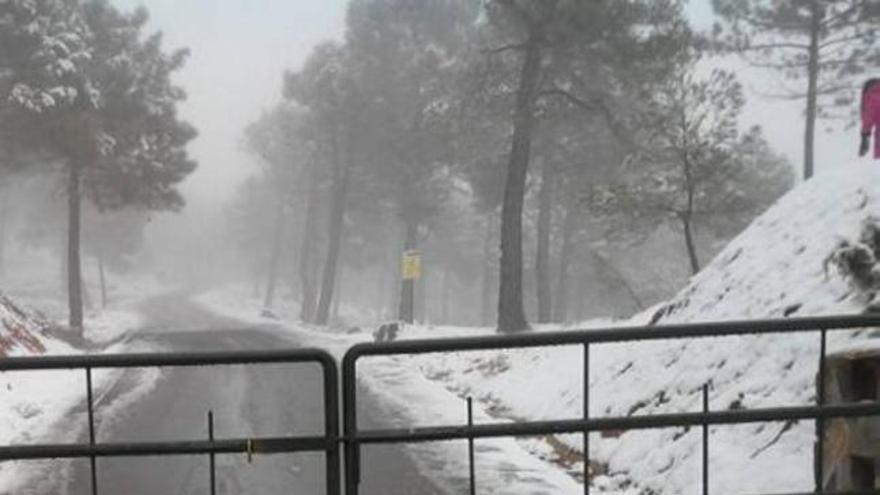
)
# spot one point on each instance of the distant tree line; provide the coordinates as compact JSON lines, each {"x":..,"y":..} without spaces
{"x":493,"y":137}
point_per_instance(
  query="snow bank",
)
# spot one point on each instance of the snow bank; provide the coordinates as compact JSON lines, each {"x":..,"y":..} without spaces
{"x":774,"y":269}
{"x":34,"y":403}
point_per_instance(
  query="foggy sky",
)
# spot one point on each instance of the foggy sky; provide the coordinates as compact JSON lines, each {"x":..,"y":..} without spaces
{"x":241,"y":47}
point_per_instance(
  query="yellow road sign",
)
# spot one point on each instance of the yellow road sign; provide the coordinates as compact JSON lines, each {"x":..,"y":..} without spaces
{"x":412,"y":265}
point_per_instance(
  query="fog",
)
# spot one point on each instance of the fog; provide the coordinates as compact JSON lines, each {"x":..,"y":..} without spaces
{"x":321,"y":165}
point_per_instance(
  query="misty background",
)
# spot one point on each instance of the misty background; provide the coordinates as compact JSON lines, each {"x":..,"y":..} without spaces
{"x":234,"y":77}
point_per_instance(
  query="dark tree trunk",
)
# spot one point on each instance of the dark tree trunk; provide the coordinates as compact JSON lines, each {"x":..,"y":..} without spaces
{"x":103,"y":280}
{"x":511,"y":315}
{"x":812,"y":87}
{"x":421,"y":314}
{"x":337,"y":299}
{"x":306,"y":256}
{"x":275,"y":257}
{"x":381,"y":284}
{"x":74,"y":273}
{"x":62,"y":257}
{"x":488,"y":263}
{"x":569,"y":224}
{"x":406,"y":310}
{"x":542,"y":259}
{"x":687,"y":216}
{"x":687,"y":226}
{"x":334,"y":235}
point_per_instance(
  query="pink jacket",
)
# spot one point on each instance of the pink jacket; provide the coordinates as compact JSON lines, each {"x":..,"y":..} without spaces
{"x":871,"y":116}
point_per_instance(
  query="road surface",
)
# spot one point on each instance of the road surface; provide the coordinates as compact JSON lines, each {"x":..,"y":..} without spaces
{"x":247,"y":401}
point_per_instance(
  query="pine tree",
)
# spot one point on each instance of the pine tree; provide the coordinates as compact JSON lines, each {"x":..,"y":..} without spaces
{"x":88,"y":89}
{"x":328,"y":86}
{"x":819,"y":45}
{"x":560,"y":43}
{"x":409,"y":150}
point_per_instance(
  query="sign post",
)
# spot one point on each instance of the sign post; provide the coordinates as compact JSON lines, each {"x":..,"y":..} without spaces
{"x":410,"y":270}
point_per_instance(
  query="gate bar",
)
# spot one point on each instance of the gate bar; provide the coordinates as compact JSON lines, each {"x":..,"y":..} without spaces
{"x":654,"y":421}
{"x":91,"y":408}
{"x":329,"y":443}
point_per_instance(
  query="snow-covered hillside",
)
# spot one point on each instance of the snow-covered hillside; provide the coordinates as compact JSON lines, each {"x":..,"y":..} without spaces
{"x":776,"y":268}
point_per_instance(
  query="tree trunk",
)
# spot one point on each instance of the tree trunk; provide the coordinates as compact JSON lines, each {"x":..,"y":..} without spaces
{"x":381,"y":284}
{"x":421,"y":290}
{"x":74,"y":274}
{"x":687,"y":226}
{"x":687,"y":215}
{"x":812,"y":85}
{"x":337,"y":299}
{"x":406,"y":310}
{"x":334,"y":235}
{"x":306,"y":256}
{"x":103,"y":280}
{"x":486,"y":304}
{"x":511,"y":315}
{"x":569,"y":224}
{"x":542,"y":259}
{"x":275,"y":257}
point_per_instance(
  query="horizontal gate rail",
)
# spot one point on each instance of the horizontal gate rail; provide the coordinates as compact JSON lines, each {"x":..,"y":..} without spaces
{"x":266,"y":445}
{"x":612,"y":335}
{"x":646,"y":422}
{"x":329,"y":443}
{"x":355,"y":437}
{"x":179,"y":359}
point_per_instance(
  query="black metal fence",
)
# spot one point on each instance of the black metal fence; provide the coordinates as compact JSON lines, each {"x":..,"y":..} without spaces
{"x":354,"y":437}
{"x":328,"y":443}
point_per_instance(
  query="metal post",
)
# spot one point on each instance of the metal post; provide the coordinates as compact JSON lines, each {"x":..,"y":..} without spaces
{"x":586,"y":417}
{"x":91,"y":413}
{"x":820,"y":424}
{"x":706,"y":441}
{"x":349,"y":407}
{"x":211,"y":457}
{"x":331,"y":426}
{"x":473,"y":473}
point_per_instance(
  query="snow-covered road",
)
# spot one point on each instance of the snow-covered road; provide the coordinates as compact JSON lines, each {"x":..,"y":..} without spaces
{"x":247,"y":401}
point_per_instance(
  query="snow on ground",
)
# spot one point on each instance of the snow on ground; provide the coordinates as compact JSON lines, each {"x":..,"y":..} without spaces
{"x":775,"y":269}
{"x":409,"y":398}
{"x":33,"y":404}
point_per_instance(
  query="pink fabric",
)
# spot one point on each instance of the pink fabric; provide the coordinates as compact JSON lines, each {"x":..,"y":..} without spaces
{"x":871,"y":116}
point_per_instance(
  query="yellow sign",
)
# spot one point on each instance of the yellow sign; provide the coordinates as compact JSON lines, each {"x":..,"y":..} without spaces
{"x":412,"y":265}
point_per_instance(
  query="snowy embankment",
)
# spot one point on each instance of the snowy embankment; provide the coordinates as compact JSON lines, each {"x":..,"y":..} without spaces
{"x":777,"y":268}
{"x":47,"y":406}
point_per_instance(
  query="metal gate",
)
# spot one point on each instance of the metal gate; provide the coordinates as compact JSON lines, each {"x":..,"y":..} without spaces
{"x":355,"y":437}
{"x":331,"y":443}
{"x":328,"y":443}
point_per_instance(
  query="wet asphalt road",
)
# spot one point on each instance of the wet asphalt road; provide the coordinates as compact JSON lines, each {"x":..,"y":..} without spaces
{"x":271,"y":400}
